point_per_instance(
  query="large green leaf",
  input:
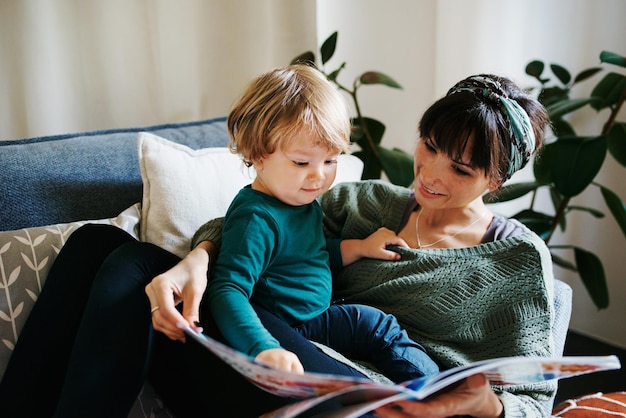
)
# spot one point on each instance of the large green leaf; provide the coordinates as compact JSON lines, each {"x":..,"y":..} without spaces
{"x":592,"y":211}
{"x":375,"y":77}
{"x":563,"y":107}
{"x":585,"y":74}
{"x":541,"y":166}
{"x":375,"y":128}
{"x":398,"y":165}
{"x":304,"y":58}
{"x":561,"y":127}
{"x":562,"y":262}
{"x":616,"y":206}
{"x":552,"y":95}
{"x":574,"y":162}
{"x":609,"y":90}
{"x":511,"y":192}
{"x":616,"y":142}
{"x":534,"y":69}
{"x":591,"y":272}
{"x":561,"y":73}
{"x":327,"y":50}
{"x":613,"y":58}
{"x":539,"y":223}
{"x":371,"y":166}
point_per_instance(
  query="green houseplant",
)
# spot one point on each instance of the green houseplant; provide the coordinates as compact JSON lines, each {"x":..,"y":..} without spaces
{"x":566,"y":167}
{"x":569,"y":163}
{"x":367,"y":132}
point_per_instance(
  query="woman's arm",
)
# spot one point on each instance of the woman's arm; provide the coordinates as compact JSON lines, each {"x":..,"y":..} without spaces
{"x":472,"y":397}
{"x":186,"y":281}
{"x":211,"y":232}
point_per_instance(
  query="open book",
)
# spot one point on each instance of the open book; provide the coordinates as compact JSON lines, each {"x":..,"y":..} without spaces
{"x":325,"y":395}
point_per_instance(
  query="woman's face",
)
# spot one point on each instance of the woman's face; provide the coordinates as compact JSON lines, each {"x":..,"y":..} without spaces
{"x":444,"y":183}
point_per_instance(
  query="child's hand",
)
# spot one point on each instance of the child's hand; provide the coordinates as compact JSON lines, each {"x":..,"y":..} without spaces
{"x":282,"y":359}
{"x":374,"y":246}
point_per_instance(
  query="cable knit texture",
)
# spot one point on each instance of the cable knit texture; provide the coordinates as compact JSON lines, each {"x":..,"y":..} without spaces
{"x":463,"y":305}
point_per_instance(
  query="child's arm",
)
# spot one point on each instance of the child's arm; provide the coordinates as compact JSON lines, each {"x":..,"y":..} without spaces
{"x":374,"y":246}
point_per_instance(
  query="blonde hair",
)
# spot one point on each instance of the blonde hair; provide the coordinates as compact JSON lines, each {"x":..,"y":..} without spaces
{"x":281,"y":104}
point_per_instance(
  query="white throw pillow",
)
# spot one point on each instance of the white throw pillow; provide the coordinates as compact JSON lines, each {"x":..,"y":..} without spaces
{"x":184,"y":188}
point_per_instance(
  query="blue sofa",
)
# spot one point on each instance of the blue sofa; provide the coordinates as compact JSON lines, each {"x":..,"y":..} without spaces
{"x":90,"y":175}
{"x":51,"y":185}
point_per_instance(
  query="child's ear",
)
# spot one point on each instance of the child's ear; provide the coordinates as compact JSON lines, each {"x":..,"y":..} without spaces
{"x":258,"y":164}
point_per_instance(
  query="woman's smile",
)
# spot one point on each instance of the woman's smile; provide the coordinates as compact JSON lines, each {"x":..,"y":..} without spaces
{"x":427,"y":192}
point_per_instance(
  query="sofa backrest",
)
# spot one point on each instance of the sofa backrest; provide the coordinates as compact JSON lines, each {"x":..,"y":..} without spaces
{"x":91,"y":175}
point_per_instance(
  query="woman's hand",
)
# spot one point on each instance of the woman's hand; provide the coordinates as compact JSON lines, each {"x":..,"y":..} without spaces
{"x":186,"y":281}
{"x":374,"y":246}
{"x":281,"y":359}
{"x":473,"y":396}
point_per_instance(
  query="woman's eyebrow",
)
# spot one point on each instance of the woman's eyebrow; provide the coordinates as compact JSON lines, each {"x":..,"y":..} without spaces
{"x":464,"y":164}
{"x":460,"y":162}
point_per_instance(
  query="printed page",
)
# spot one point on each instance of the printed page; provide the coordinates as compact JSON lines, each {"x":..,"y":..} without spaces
{"x":348,"y":402}
{"x":280,"y":382}
{"x":508,"y":371}
{"x":354,"y":402}
{"x":330,"y":396}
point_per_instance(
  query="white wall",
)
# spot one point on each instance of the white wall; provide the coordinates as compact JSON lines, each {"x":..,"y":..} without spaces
{"x":428,"y":45}
{"x":73,"y":65}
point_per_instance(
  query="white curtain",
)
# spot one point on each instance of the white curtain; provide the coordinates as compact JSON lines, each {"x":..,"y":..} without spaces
{"x":78,"y":65}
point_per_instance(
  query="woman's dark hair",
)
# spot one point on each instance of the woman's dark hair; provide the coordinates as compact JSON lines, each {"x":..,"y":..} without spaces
{"x":463,"y":118}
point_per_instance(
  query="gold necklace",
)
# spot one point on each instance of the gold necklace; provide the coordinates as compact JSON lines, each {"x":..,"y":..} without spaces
{"x":417,"y":230}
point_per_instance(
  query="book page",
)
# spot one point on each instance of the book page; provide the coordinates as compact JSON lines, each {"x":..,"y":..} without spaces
{"x":508,"y":371}
{"x":279,"y":382}
{"x":326,"y":395}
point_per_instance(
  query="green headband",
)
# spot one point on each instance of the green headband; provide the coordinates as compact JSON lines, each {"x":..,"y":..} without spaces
{"x":520,"y":128}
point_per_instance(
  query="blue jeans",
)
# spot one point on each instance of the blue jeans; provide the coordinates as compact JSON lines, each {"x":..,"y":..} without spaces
{"x":368,"y":334}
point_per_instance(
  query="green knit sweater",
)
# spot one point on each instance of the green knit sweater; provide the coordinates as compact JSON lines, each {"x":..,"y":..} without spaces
{"x":463,"y":305}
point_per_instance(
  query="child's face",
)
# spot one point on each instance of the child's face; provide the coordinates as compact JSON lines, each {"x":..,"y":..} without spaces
{"x":298,"y":173}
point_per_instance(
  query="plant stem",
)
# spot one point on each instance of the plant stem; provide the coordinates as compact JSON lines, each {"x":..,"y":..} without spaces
{"x":359,"y":116}
{"x":366,"y":131}
{"x":560,"y":213}
{"x":614,"y":111}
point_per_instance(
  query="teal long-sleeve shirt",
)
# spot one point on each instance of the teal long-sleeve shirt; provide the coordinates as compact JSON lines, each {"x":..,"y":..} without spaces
{"x":461,"y":304}
{"x":276,"y":256}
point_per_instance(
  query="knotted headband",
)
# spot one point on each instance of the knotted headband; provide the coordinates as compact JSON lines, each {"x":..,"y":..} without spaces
{"x":520,"y":128}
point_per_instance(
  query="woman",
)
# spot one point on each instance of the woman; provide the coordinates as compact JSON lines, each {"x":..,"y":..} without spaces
{"x":471,"y":285}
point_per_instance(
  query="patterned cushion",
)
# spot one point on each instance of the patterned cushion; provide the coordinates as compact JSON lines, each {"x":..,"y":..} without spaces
{"x":25,"y":258}
{"x":593,"y":405}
